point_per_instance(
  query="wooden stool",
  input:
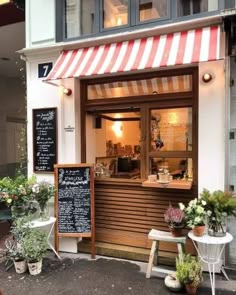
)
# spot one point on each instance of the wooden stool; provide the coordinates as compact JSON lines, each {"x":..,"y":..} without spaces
{"x":156,"y":236}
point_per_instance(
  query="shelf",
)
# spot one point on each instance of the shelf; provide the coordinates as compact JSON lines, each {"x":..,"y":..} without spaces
{"x":179,"y":184}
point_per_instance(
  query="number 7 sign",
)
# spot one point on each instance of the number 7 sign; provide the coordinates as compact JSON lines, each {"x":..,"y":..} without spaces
{"x":44,"y":69}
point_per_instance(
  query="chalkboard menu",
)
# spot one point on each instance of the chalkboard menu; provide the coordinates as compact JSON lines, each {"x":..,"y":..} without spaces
{"x":44,"y":139}
{"x":74,"y":201}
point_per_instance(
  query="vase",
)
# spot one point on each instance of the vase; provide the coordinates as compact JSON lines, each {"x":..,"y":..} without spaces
{"x":18,"y":210}
{"x":217,"y":228}
{"x":44,"y":212}
{"x":176,"y":231}
{"x":199,"y":230}
{"x":190,"y":289}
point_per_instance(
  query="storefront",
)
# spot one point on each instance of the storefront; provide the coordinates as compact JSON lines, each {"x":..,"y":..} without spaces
{"x":140,"y":104}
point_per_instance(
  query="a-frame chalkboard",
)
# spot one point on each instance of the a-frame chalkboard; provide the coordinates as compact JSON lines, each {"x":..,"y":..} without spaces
{"x":74,"y":202}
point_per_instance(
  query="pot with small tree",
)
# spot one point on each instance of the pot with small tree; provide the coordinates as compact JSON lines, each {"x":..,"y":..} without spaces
{"x":15,"y":253}
{"x":189,"y":272}
{"x":34,"y":245}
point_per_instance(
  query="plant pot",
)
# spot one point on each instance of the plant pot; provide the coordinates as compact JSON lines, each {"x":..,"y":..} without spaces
{"x":176,"y":231}
{"x":35,"y":268}
{"x":198,"y":230}
{"x":172,"y":283}
{"x":190,"y":289}
{"x":20,"y":266}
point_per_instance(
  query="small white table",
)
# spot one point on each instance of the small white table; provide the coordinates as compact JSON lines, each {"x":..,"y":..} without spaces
{"x":38,"y":223}
{"x":210,"y":250}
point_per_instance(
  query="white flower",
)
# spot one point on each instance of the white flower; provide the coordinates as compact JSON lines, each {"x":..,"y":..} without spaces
{"x":181,"y":206}
{"x":200,"y":210}
{"x":209,"y":212}
{"x":203,"y":202}
{"x":35,"y":188}
{"x":197,"y":219}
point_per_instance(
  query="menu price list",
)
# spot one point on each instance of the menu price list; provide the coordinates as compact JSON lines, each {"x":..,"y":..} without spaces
{"x":74,"y":200}
{"x":45,"y":145}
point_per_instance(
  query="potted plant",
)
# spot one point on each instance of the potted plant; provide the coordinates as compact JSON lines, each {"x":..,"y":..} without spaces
{"x":42,"y":193}
{"x":16,"y":254}
{"x":195,"y":215}
{"x":34,"y":245}
{"x":219,"y":205}
{"x":175,"y":218}
{"x":189,"y":273}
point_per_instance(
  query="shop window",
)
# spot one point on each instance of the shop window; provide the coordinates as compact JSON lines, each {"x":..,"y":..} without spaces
{"x":117,"y":141}
{"x":155,"y":9}
{"x":175,"y":168}
{"x":115,"y":13}
{"x":131,"y":134}
{"x":171,"y":130}
{"x":189,"y":7}
{"x":155,"y":85}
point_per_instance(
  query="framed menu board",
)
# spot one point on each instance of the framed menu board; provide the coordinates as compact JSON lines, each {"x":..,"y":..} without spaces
{"x":74,"y":202}
{"x":44,"y":139}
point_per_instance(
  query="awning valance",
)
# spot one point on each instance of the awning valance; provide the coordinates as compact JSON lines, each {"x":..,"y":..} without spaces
{"x":186,"y":47}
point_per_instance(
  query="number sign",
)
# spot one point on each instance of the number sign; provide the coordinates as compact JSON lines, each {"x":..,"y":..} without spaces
{"x":44,"y":69}
{"x":44,"y":139}
{"x":74,"y":203}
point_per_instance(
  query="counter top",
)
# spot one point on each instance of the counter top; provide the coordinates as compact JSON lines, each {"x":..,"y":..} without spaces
{"x":179,"y":184}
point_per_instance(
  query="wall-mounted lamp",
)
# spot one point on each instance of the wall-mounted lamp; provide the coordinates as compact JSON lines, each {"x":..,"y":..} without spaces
{"x":67,"y":91}
{"x":207,"y":77}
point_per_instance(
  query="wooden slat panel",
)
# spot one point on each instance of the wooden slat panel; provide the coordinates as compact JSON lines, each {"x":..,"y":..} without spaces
{"x":126,"y":213}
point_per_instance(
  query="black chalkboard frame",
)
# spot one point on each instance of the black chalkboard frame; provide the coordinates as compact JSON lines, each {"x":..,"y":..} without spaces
{"x":91,"y":234}
{"x":34,"y":113}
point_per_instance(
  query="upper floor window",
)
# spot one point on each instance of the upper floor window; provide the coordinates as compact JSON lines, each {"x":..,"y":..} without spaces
{"x":90,"y":17}
{"x":189,"y":7}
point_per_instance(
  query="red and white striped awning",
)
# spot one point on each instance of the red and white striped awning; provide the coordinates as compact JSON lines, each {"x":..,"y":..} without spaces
{"x":187,"y":47}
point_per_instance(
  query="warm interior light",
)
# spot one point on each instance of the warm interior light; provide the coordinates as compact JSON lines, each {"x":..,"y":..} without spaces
{"x":67,"y":91}
{"x":117,"y":127}
{"x":207,"y":77}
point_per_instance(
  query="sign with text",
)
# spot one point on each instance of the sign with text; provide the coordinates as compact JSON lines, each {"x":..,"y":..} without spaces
{"x":74,"y":202}
{"x":44,"y":139}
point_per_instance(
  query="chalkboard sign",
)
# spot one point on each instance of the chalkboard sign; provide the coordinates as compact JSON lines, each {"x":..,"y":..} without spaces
{"x":44,"y":139}
{"x":74,"y":203}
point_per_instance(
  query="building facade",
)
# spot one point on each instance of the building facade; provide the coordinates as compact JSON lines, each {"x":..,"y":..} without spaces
{"x":149,"y":94}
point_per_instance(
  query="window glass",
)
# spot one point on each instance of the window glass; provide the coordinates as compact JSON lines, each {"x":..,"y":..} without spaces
{"x":189,"y":7}
{"x":115,"y":13}
{"x":150,"y":86}
{"x":117,"y":142}
{"x":171,"y":129}
{"x":152,"y":9}
{"x":79,"y":15}
{"x":177,"y":168}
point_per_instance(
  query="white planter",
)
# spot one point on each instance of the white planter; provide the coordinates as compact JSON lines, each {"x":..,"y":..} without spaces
{"x":35,"y":268}
{"x":20,"y":266}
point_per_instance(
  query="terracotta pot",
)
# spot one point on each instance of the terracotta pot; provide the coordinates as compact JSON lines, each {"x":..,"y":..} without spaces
{"x":176,"y":231}
{"x":199,"y":230}
{"x":190,"y":289}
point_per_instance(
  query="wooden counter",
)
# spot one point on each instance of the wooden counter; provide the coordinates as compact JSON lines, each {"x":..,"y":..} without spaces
{"x":176,"y":184}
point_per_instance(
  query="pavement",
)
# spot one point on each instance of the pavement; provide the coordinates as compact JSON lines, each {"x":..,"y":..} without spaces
{"x":78,"y":274}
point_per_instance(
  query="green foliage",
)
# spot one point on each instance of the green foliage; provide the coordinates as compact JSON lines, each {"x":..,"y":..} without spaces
{"x":14,"y":250}
{"x":34,"y":245}
{"x":42,"y":193}
{"x":219,"y":205}
{"x":20,"y":227}
{"x":189,"y":270}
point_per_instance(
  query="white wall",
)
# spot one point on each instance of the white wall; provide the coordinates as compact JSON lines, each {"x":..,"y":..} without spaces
{"x":211,"y":158}
{"x":40,"y":22}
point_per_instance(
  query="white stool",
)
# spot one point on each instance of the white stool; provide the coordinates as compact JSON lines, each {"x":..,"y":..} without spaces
{"x":156,"y":236}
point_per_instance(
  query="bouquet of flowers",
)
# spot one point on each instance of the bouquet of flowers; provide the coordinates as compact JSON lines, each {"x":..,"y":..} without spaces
{"x":174,"y":217}
{"x":195,"y":212}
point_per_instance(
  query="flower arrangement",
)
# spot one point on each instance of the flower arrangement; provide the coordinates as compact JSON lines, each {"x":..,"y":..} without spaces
{"x":15,"y":191}
{"x":219,"y":205}
{"x":194,"y":212}
{"x":174,"y":217}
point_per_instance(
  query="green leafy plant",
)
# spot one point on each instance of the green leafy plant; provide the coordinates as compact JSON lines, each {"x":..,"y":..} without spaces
{"x":42,"y":192}
{"x":34,"y":245}
{"x":189,"y":270}
{"x":14,"y":250}
{"x":219,"y":205}
{"x":194,"y":212}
